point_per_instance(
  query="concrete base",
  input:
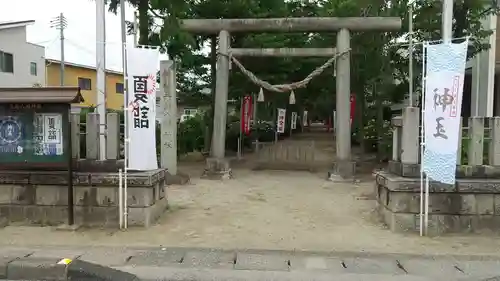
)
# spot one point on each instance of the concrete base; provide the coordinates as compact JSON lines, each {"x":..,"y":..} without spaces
{"x":217,"y":169}
{"x":342,"y":171}
{"x":41,"y":198}
{"x":471,"y":205}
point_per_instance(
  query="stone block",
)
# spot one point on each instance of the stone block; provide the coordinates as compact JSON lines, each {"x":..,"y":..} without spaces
{"x":36,"y":269}
{"x":85,"y":196}
{"x":147,"y":216}
{"x":107,"y":196}
{"x":89,"y":215}
{"x":217,"y":169}
{"x":209,"y":259}
{"x":5,"y":211}
{"x":109,"y":257}
{"x":468,"y":204}
{"x":53,"y":178}
{"x":54,"y":215}
{"x":245,"y":261}
{"x":398,"y":183}
{"x":406,"y":170}
{"x":6,"y":193}
{"x":485,"y":204}
{"x":478,"y":185}
{"x":51,"y":195}
{"x":316,"y":263}
{"x":96,"y":216}
{"x":140,"y":196}
{"x":444,"y":203}
{"x":343,"y":169}
{"x":14,"y":177}
{"x":57,"y":254}
{"x":497,"y":204}
{"x":438,"y":224}
{"x":169,"y":256}
{"x":16,"y":213}
{"x":404,"y":202}
{"x":474,"y":223}
{"x":24,"y":194}
{"x":104,"y":179}
{"x":371,"y":266}
{"x":162,"y":190}
{"x":383,"y":195}
{"x":82,"y":270}
{"x":33,"y":214}
{"x":4,"y":263}
{"x":398,"y":222}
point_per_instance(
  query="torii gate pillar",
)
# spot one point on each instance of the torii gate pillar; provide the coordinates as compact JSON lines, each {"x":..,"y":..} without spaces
{"x":343,"y":167}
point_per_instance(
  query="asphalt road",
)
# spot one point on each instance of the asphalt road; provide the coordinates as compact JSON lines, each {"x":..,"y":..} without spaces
{"x":213,"y":264}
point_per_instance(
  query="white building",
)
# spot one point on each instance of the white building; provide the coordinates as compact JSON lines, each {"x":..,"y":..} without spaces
{"x":484,"y":94}
{"x":22,"y":64}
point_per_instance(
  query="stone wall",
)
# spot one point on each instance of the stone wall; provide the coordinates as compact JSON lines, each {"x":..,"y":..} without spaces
{"x":41,"y":198}
{"x":472,"y":204}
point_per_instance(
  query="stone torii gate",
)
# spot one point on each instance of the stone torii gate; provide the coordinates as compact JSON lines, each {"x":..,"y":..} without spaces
{"x":217,"y":165}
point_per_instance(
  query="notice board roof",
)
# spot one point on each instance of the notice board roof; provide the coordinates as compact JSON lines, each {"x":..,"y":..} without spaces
{"x":41,"y":95}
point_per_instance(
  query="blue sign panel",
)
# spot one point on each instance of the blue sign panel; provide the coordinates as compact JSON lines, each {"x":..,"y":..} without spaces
{"x":11,"y":135}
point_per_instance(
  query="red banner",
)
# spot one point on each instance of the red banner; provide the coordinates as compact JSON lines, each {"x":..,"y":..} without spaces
{"x":246,"y":114}
{"x":353,"y":106}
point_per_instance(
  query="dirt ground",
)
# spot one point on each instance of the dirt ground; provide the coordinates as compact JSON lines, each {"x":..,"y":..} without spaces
{"x":265,"y":210}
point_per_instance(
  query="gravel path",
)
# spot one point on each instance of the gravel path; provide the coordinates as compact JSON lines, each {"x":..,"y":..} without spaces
{"x":265,"y":210}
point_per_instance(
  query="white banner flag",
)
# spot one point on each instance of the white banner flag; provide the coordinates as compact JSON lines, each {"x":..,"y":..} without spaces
{"x":280,"y":124}
{"x":445,"y":68}
{"x":304,"y":119}
{"x":142,"y":65}
{"x":293,"y":122}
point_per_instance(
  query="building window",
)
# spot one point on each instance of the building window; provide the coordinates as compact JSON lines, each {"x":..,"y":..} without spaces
{"x":33,"y":69}
{"x":84,"y":83}
{"x":119,"y":88}
{"x":6,"y":62}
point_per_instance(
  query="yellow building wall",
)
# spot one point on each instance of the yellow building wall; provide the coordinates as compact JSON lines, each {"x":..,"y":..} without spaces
{"x":71,"y":73}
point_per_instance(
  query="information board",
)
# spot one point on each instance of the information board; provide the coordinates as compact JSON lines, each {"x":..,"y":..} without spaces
{"x":33,"y":134}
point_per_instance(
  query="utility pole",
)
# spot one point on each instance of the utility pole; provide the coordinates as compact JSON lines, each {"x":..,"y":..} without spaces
{"x":447,"y":20}
{"x":135,"y":30}
{"x":61,"y":24}
{"x":101,"y":74}
{"x":410,"y":55}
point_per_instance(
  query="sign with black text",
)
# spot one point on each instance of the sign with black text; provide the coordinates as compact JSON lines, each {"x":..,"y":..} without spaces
{"x":142,"y":65}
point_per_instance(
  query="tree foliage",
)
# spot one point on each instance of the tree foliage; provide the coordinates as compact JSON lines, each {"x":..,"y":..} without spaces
{"x":378,"y":59}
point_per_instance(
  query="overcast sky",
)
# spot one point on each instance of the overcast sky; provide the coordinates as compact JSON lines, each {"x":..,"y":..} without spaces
{"x":80,"y":34}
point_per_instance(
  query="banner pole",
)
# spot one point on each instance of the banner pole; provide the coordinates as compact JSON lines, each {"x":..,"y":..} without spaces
{"x":242,"y":120}
{"x":426,"y":213}
{"x":422,"y":142}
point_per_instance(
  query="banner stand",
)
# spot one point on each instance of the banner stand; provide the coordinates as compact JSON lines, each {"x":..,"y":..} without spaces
{"x":423,"y":202}
{"x":443,"y":72}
